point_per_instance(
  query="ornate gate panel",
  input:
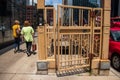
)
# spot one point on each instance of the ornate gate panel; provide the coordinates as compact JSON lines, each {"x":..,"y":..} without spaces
{"x":78,"y":36}
{"x":50,"y":25}
{"x":97,"y":32}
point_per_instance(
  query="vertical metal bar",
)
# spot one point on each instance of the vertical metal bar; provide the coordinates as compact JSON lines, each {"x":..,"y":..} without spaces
{"x":79,"y":49}
{"x":82,"y":14}
{"x":93,"y":33}
{"x":69,"y":51}
{"x":101,"y":31}
{"x":45,"y":34}
{"x":72,"y":15}
{"x":89,"y":42}
{"x":76,"y":50}
{"x":88,"y":47}
{"x":91,"y":24}
{"x":79,"y":18}
{"x":65,"y":53}
{"x":54,"y":32}
{"x":89,"y":18}
{"x":33,"y":12}
{"x":62,"y":16}
{"x":92,"y":42}
{"x":58,"y":44}
{"x":72,"y":50}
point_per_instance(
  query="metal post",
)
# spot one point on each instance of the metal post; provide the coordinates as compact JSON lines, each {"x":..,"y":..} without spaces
{"x":33,"y":13}
{"x":91,"y":58}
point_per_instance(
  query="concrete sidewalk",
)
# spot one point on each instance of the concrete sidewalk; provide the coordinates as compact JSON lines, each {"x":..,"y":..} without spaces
{"x":20,"y":67}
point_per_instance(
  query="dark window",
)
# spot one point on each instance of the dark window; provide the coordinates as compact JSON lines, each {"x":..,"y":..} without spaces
{"x":3,"y":7}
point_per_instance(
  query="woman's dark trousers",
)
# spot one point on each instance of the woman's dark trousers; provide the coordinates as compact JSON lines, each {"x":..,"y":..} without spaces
{"x":28,"y":47}
{"x":17,"y":43}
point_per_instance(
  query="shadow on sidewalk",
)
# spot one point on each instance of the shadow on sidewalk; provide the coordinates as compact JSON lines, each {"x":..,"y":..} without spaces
{"x":4,"y":50}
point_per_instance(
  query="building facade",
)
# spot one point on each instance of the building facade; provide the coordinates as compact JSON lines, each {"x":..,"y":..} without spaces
{"x":10,"y":10}
{"x":31,"y":12}
{"x":49,"y":13}
{"x":93,"y":1}
{"x":27,"y":2}
{"x":67,"y":2}
{"x":84,"y":3}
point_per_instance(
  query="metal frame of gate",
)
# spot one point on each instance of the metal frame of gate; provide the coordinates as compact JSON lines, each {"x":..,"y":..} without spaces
{"x":74,"y":39}
{"x":50,"y":26}
{"x":78,"y":37}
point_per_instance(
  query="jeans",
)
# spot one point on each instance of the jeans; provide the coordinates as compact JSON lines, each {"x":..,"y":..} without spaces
{"x":17,"y":43}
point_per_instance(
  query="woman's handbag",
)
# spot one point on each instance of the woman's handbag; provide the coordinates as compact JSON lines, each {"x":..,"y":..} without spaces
{"x":18,"y":32}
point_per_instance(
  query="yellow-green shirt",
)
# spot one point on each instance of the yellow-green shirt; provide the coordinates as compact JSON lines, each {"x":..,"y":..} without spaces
{"x":27,"y":32}
{"x":14,"y":28}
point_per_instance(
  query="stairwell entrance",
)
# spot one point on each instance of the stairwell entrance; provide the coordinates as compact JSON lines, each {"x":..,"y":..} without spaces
{"x":76,"y":39}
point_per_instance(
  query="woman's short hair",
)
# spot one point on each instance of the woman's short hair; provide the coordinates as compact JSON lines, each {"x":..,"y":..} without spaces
{"x":26,"y":23}
{"x":16,"y":22}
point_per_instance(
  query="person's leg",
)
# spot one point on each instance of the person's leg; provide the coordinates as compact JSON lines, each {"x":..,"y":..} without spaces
{"x":15,"y":45}
{"x":29,"y":46}
{"x":19,"y":43}
{"x":26,"y":46}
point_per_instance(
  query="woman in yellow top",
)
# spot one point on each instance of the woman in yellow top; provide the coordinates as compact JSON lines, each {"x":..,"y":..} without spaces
{"x":28,"y":32}
{"x":16,"y":35}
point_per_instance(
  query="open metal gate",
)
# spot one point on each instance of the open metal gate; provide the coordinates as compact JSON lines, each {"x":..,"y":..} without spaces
{"x":79,"y":36}
{"x":76,"y":39}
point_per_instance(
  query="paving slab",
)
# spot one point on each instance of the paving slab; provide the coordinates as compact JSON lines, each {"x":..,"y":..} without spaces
{"x":6,"y":76}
